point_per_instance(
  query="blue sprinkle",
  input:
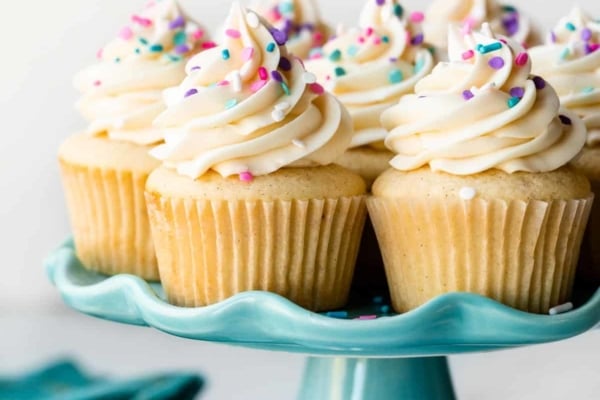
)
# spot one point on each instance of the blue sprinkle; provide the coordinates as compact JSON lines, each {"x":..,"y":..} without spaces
{"x":484,"y":49}
{"x":396,"y":76}
{"x":337,"y":314}
{"x":271,"y":47}
{"x":230,"y":104}
{"x":225,"y":54}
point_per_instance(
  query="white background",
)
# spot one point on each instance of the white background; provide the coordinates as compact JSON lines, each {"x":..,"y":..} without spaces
{"x":44,"y":44}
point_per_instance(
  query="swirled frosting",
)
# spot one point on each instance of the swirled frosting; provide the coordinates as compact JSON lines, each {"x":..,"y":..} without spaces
{"x":472,"y":14}
{"x":570,"y":61}
{"x":122,"y":94}
{"x":370,"y":67}
{"x":249,"y":108}
{"x":482,"y":110}
{"x":299,"y":19}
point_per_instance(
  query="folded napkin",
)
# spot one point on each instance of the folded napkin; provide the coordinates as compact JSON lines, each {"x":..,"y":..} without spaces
{"x":65,"y":381}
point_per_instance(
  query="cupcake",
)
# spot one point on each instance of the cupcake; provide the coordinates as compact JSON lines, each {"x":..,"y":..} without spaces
{"x":471,"y":14}
{"x":300,"y":20}
{"x":368,"y":69}
{"x":104,"y":169}
{"x":247,"y":198}
{"x":480,"y":197}
{"x":570,"y":61}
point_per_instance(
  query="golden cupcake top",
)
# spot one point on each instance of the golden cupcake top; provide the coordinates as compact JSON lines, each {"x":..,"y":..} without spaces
{"x":122,"y":93}
{"x":570,"y":61}
{"x":482,"y":110}
{"x":249,"y":108}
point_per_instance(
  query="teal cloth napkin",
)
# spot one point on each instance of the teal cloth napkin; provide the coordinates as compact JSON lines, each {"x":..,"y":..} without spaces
{"x":65,"y":381}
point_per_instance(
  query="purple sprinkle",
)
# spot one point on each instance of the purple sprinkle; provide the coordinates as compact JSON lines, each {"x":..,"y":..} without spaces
{"x":178,"y":22}
{"x":279,"y":36}
{"x":517,"y":92}
{"x":565,"y":120}
{"x":196,"y":68}
{"x":539,"y":82}
{"x":393,"y":59}
{"x":511,"y":24}
{"x":496,"y":62}
{"x":468,"y":95}
{"x":586,"y":34}
{"x":181,"y":49}
{"x":591,"y":47}
{"x":190,"y":92}
{"x":380,"y":2}
{"x":277,"y":76}
{"x":552,"y":37}
{"x":285,"y":64}
{"x":417,"y":39}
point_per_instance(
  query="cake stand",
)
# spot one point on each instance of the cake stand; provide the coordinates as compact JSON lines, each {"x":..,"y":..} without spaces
{"x":351,"y":355}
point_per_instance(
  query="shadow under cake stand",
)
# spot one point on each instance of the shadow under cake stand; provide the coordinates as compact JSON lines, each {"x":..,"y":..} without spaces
{"x":387,"y":358}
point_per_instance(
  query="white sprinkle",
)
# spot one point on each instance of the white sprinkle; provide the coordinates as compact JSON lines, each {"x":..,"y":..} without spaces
{"x":236,"y":81}
{"x":467,"y":193}
{"x":486,"y":30}
{"x":278,"y":115}
{"x":298,"y":143}
{"x":309,"y":78}
{"x":252,"y":20}
{"x":563,"y":308}
{"x":283,"y":106}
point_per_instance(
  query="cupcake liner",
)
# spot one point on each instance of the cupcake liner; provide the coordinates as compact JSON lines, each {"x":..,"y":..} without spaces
{"x":109,"y":219}
{"x":521,"y":253}
{"x":209,"y":250}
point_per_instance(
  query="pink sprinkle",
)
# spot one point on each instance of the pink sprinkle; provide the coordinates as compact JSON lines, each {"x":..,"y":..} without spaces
{"x":318,"y":38}
{"x":247,"y":53}
{"x":469,"y":24}
{"x":233,"y":33}
{"x":468,"y":54}
{"x":246,"y":177}
{"x":97,"y":83}
{"x":208,"y":45}
{"x":367,"y":317}
{"x":593,"y":47}
{"x":503,"y":41}
{"x":521,"y":59}
{"x":369,"y":31}
{"x":126,"y":33}
{"x":145,"y":22}
{"x":99,"y":54}
{"x":256,"y":86}
{"x":417,"y":17}
{"x":198,"y":34}
{"x":274,"y":15}
{"x":361,"y":39}
{"x":223,"y":83}
{"x":263,"y":73}
{"x":377,"y":40}
{"x":408,"y":37}
{"x":315,"y":56}
{"x":316,"y":89}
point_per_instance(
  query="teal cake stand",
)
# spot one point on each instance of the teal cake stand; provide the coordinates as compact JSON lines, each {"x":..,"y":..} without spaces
{"x":390,"y":357}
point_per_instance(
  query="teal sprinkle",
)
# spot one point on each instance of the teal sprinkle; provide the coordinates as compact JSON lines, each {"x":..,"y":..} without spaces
{"x":564,"y":54}
{"x":484,"y":49}
{"x":588,"y":89}
{"x":419,"y":65}
{"x":570,"y":26}
{"x":173,"y":57}
{"x":398,"y":10}
{"x":286,"y":7}
{"x":117,"y":60}
{"x":156,"y":48}
{"x":385,"y":39}
{"x":180,"y":38}
{"x":353,"y":50}
{"x":396,"y":76}
{"x":138,"y":51}
{"x":385,"y":309}
{"x":339,"y":71}
{"x":271,"y":47}
{"x":225,"y":54}
{"x":335,"y":55}
{"x":230,"y":104}
{"x":143,"y":41}
{"x":286,"y":88}
{"x":509,"y":9}
{"x":513,"y":101}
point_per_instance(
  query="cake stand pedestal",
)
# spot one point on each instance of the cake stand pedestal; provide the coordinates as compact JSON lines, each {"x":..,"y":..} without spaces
{"x":390,"y":357}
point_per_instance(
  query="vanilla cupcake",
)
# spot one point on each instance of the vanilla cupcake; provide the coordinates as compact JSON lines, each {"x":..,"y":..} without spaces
{"x":246,"y":198}
{"x":479,"y":198}
{"x":300,"y":20}
{"x":570,"y":61}
{"x":104,"y":170}
{"x":471,"y":14}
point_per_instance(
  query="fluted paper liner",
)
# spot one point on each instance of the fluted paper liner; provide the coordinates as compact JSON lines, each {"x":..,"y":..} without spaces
{"x":110,"y":221}
{"x":521,"y":253}
{"x":209,"y":250}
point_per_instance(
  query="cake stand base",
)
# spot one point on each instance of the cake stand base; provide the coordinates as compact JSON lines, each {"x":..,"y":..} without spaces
{"x":376,"y":378}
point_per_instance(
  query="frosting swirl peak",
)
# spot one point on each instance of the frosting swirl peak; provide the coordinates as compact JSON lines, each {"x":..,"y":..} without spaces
{"x":249,"y":108}
{"x":482,"y":110}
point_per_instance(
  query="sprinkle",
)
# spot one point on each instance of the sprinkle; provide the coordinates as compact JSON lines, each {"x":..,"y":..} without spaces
{"x":484,"y":49}
{"x":190,"y":92}
{"x":126,"y":33}
{"x":385,"y":309}
{"x":316,"y":89}
{"x":395,"y":76}
{"x":145,"y":22}
{"x":418,"y":39}
{"x":419,"y":65}
{"x":564,"y":54}
{"x":278,"y":115}
{"x":496,"y":62}
{"x":225,"y":54}
{"x":385,"y":39}
{"x":367,"y":317}
{"x":563,"y":308}
{"x":286,"y":88}
{"x":208,"y":45}
{"x":380,"y":2}
{"x":335,"y":55}
{"x":196,"y":68}
{"x":263,"y":74}
{"x":285,"y":64}
{"x":565,"y":120}
{"x":339,"y":71}
{"x":283,"y":106}
{"x":246,"y":177}
{"x":369,"y":31}
{"x":353,"y":50}
{"x":230,"y":104}
{"x":586,"y":34}
{"x":521,"y":59}
{"x":398,"y":10}
{"x":513,"y":101}
{"x":417,"y":17}
{"x":468,"y":54}
{"x":517,"y":92}
{"x":178,"y":22}
{"x":236,"y":81}
{"x":271,"y":47}
{"x":377,"y":40}
{"x":509,"y":9}
{"x":591,"y":47}
{"x":256,"y":86}
{"x":143,"y":41}
{"x":97,"y":83}
{"x":252,"y":20}
{"x":539,"y":82}
{"x":286,"y":8}
{"x":197,"y":34}
{"x":223,"y":83}
{"x":117,"y":60}
{"x":233,"y":33}
{"x":277,"y":76}
{"x":298,"y":143}
{"x":467,"y":193}
{"x":337,"y":314}
{"x":588,"y":89}
{"x":156,"y":48}
{"x":279,"y":36}
{"x":247,"y":53}
{"x":99,"y":54}
{"x":570,"y":27}
{"x":181,"y":49}
{"x":377,"y":300}
{"x":467,"y":95}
